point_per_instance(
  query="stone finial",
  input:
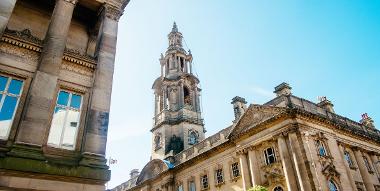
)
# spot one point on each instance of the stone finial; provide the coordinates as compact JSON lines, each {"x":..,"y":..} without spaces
{"x":283,"y":89}
{"x":326,"y":104}
{"x":134,"y":173}
{"x":174,"y":29}
{"x":367,"y":121}
{"x":239,"y":105}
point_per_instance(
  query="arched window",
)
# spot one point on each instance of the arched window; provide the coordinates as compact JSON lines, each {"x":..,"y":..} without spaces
{"x":193,"y":137}
{"x":186,"y":96}
{"x":321,"y":148}
{"x":347,"y":157}
{"x":270,"y":156}
{"x":332,"y":186}
{"x":278,"y":188}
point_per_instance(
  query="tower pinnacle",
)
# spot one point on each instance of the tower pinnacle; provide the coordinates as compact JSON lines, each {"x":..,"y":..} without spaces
{"x":174,"y":29}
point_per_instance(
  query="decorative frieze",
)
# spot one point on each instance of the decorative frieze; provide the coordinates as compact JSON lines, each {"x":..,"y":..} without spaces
{"x":27,"y":48}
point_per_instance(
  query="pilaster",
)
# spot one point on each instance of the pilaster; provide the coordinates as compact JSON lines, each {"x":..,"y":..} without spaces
{"x":244,"y":170}
{"x":363,"y":170}
{"x":348,"y":171}
{"x":299,"y":162}
{"x":98,"y":116}
{"x":286,"y":161}
{"x":254,"y":166}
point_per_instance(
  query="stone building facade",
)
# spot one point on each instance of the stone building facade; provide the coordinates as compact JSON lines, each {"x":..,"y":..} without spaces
{"x":286,"y":144}
{"x":56,"y":67}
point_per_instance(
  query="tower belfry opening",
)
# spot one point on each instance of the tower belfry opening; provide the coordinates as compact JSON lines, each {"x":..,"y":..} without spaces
{"x":178,"y":123}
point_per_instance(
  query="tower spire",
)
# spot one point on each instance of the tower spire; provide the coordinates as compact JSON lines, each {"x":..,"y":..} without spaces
{"x":178,"y":123}
{"x":174,"y":29}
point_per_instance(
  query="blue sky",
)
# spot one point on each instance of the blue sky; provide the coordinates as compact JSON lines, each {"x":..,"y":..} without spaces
{"x":246,"y":48}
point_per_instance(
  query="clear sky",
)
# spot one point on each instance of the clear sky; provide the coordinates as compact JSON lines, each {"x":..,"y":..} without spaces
{"x":246,"y":48}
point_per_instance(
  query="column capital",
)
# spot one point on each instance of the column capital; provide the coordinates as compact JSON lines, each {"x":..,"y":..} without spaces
{"x":72,"y":1}
{"x":111,"y":12}
{"x":241,"y":151}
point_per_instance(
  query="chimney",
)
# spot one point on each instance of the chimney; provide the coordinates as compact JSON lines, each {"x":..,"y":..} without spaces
{"x":367,"y":121}
{"x":239,"y":105}
{"x":326,"y":104}
{"x":134,"y":173}
{"x":283,"y":89}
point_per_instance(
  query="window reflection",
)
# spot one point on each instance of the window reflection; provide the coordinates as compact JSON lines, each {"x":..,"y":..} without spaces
{"x":65,"y":123}
{"x":10,"y":91}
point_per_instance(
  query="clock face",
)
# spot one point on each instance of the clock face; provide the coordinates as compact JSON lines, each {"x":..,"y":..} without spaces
{"x":193,"y":137}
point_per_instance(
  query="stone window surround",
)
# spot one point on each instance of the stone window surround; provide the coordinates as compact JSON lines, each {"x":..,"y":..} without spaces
{"x":202,"y":175}
{"x":368,"y":163}
{"x":352,"y":166}
{"x":84,"y":92}
{"x":219,"y":168}
{"x":231,"y":163}
{"x":266,"y":156}
{"x":17,"y":117}
{"x":322,"y":139}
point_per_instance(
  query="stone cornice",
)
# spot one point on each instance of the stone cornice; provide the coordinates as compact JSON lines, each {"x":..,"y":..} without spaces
{"x":25,"y":39}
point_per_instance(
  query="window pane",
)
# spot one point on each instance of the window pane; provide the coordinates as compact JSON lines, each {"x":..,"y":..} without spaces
{"x":63,"y":98}
{"x":71,"y":127}
{"x":56,"y":126}
{"x":6,"y":115}
{"x":15,"y":87}
{"x":8,"y":108}
{"x":75,"y":101}
{"x":3,"y":82}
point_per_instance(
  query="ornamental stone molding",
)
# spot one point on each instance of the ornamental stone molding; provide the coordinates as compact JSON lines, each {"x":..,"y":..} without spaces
{"x":27,"y":47}
{"x":112,"y":12}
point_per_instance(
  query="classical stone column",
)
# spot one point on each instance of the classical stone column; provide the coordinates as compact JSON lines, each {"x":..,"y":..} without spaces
{"x":254,"y":167}
{"x":299,"y":162}
{"x":286,"y":161}
{"x":97,"y":124}
{"x":6,"y":9}
{"x":348,"y":171}
{"x":363,"y":170}
{"x":244,"y":170}
{"x":43,"y":89}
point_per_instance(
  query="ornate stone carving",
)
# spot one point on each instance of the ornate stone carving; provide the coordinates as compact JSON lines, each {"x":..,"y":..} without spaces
{"x":20,"y":54}
{"x":69,"y":66}
{"x":112,"y":12}
{"x":25,"y":35}
{"x":273,"y":173}
{"x":330,"y":171}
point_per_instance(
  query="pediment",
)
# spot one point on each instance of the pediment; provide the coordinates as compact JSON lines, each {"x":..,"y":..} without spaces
{"x":255,"y":115}
{"x":152,"y":169}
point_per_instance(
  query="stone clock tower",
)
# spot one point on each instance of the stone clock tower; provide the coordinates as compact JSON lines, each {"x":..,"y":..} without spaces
{"x":178,"y":123}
